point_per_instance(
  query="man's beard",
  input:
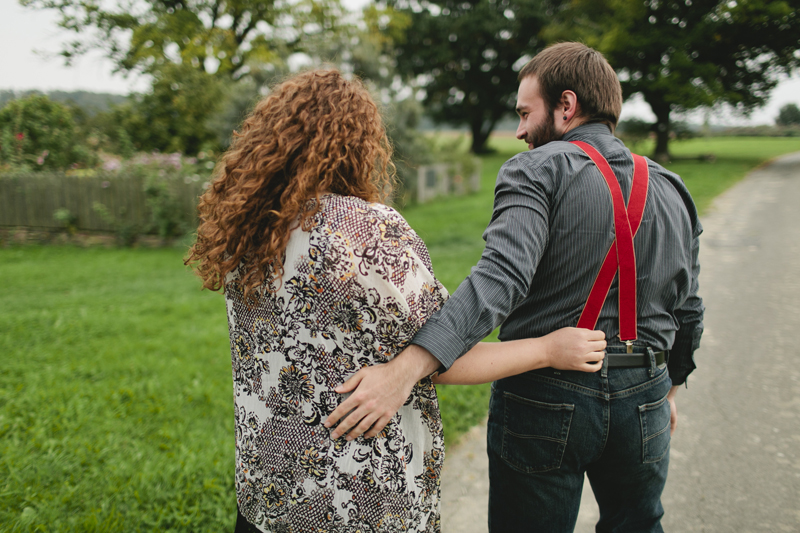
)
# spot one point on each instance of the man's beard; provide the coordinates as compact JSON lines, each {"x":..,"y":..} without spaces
{"x":544,"y":133}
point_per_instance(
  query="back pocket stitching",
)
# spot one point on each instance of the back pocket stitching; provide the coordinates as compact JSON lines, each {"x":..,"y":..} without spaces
{"x":646,"y":439}
{"x":566,"y":411}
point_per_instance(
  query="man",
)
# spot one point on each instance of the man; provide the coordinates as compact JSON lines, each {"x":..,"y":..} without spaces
{"x":552,"y":226}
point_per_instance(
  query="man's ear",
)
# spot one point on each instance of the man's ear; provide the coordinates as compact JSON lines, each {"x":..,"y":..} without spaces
{"x":569,"y":106}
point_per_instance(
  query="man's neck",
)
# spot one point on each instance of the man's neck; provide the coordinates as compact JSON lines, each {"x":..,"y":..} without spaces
{"x":573,"y":123}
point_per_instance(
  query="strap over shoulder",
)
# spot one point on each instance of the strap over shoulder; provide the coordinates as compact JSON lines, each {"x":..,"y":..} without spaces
{"x":621,"y":256}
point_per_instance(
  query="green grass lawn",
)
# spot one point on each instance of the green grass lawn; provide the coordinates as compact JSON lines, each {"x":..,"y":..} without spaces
{"x":115,"y":394}
{"x":115,"y":391}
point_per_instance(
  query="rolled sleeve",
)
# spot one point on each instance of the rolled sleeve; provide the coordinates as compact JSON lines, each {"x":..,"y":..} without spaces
{"x":690,"y":317}
{"x":446,"y":345}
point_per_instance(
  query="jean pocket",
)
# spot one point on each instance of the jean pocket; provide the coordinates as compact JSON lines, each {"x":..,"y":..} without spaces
{"x":655,"y":430}
{"x":534,"y":433}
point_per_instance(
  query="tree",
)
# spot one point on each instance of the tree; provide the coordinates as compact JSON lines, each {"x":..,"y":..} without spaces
{"x":634,"y":131}
{"x":463,"y":55}
{"x":789,"y":115}
{"x":192,"y":49}
{"x":224,"y":37}
{"x":37,"y":133}
{"x":685,"y":54}
{"x":173,"y":115}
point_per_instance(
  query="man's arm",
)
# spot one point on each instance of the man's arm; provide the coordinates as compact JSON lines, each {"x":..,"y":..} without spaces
{"x":673,"y":409}
{"x":515,"y":241}
{"x":687,"y":338}
{"x":690,"y":319}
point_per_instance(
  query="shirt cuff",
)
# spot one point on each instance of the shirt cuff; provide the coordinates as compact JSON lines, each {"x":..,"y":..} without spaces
{"x":681,"y":361}
{"x":443,"y":343}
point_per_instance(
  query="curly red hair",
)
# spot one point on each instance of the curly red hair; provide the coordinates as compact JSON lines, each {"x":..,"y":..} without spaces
{"x":314,"y":133}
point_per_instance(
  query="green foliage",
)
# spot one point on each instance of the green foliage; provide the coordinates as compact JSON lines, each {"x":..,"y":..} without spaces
{"x":68,"y":219}
{"x":165,"y":213}
{"x":88,"y":101}
{"x":464,"y":53}
{"x":411,"y":148}
{"x":6,"y":96}
{"x":634,"y":131}
{"x":229,"y":38}
{"x":789,"y":115}
{"x":173,"y":115}
{"x":681,"y":130}
{"x":760,"y":131}
{"x":191,"y":48}
{"x":161,"y":173}
{"x":237,"y":102}
{"x":37,"y":133}
{"x":126,"y":231}
{"x":686,"y":54}
{"x":454,"y":152}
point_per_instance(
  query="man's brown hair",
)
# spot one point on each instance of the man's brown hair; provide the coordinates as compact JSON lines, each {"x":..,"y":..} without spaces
{"x":582,"y":70}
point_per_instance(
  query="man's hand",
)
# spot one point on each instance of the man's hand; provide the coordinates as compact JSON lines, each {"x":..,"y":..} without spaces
{"x":379,"y":392}
{"x":673,"y":410}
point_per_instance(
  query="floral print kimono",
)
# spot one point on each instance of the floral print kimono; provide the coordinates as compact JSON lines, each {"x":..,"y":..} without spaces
{"x":355,"y":290}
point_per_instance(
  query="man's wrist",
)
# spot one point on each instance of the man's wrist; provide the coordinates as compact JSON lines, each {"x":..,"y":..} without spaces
{"x":417,"y":362}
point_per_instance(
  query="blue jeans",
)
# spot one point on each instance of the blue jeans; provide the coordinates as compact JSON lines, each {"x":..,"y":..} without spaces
{"x":548,"y":427}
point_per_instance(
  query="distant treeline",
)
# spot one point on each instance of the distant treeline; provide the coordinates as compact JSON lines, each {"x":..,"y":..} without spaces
{"x":89,"y":102}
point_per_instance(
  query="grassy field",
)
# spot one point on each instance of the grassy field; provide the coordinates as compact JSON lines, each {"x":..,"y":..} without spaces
{"x":115,"y":389}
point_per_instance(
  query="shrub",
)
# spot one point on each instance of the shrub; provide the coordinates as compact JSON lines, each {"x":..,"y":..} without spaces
{"x":162,"y":175}
{"x":634,"y":131}
{"x":67,"y":219}
{"x":37,"y":133}
{"x":789,"y":115}
{"x":126,"y":232}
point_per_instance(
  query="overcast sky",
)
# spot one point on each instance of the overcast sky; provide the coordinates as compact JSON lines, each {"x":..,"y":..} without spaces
{"x":30,"y":40}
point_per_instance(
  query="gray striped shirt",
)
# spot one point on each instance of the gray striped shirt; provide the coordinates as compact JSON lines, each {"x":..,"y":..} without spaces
{"x":551,"y":227}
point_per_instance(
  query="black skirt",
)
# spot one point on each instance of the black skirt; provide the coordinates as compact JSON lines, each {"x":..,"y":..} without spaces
{"x":242,"y":525}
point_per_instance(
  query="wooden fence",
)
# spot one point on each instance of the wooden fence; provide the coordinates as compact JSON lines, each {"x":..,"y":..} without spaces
{"x":31,"y":200}
{"x":444,"y":180}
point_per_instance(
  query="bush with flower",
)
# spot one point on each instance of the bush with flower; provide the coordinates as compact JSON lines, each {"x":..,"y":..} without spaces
{"x":37,"y":133}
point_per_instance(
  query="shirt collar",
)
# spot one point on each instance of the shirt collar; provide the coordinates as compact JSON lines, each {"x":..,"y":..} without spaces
{"x":585,"y":130}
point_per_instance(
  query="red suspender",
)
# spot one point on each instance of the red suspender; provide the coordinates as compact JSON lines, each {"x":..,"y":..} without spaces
{"x":621,"y":255}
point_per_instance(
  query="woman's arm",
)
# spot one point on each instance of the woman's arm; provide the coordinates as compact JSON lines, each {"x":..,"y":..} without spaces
{"x":564,"y":349}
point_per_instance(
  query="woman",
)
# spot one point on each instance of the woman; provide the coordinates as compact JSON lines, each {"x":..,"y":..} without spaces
{"x":321,"y":279}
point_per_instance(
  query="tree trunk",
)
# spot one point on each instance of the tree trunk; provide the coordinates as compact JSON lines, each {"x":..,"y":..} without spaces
{"x":661,"y":110}
{"x":481,"y":129}
{"x":478,"y":141}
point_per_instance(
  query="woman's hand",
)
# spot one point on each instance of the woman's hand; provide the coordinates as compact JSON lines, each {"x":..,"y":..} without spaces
{"x":575,"y":349}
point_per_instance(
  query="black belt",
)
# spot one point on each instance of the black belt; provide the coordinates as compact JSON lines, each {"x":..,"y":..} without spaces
{"x":632,"y":360}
